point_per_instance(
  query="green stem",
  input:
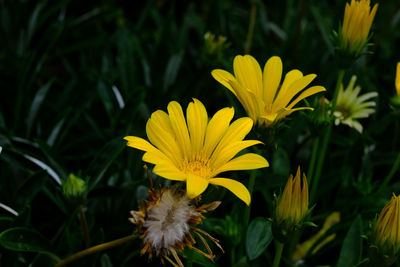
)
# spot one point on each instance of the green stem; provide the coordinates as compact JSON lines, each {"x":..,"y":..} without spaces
{"x":95,"y":249}
{"x":313,"y":160}
{"x":252,"y":181}
{"x":84,"y":225}
{"x":326,"y":138}
{"x":251,"y":28}
{"x":389,"y":177}
{"x":278,"y":254}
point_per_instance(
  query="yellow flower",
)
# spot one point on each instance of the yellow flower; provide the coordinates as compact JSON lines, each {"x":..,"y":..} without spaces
{"x":260,"y":93}
{"x":293,"y":204}
{"x":357,"y":22}
{"x":387,"y":228}
{"x":350,"y":106}
{"x":198,"y":150}
{"x":397,"y":82}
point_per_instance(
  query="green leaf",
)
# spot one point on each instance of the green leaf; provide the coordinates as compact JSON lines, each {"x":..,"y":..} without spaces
{"x":352,"y":245}
{"x":26,"y":240}
{"x":258,"y":237}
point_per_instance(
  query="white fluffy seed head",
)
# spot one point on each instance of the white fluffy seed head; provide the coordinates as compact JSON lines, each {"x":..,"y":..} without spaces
{"x":167,"y":221}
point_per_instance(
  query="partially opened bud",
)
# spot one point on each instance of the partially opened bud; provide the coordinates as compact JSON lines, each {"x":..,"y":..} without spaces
{"x":385,"y":239}
{"x":292,"y":207}
{"x":354,"y":33}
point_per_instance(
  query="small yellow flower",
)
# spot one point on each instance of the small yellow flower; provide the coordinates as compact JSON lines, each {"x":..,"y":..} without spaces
{"x":197,"y":150}
{"x":350,"y":106}
{"x":397,"y":82}
{"x":357,"y":22}
{"x":387,"y":228}
{"x":261,"y":94}
{"x":293,"y":204}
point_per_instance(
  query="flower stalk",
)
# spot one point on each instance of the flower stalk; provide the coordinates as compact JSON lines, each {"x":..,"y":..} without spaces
{"x":326,"y":138}
{"x":95,"y":249}
{"x":278,"y":254}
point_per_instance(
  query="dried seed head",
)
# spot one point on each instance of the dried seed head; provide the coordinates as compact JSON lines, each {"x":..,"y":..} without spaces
{"x":165,"y":222}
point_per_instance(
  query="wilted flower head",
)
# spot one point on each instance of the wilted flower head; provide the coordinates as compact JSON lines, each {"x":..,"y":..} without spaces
{"x":386,"y":233}
{"x":197,"y":150}
{"x":350,"y":106}
{"x":261,"y":94}
{"x":166,"y":224}
{"x":353,"y":35}
{"x":292,"y":206}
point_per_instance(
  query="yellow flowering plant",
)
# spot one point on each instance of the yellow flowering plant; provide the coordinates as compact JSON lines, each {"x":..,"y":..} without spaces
{"x":385,"y":238}
{"x":261,"y":93}
{"x":354,"y":32}
{"x":195,"y":150}
{"x":291,"y":207}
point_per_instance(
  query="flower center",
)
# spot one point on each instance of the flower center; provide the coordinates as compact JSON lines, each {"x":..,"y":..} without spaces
{"x":198,"y":166}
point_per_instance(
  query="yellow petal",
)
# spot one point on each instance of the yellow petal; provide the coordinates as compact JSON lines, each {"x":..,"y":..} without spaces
{"x":236,"y":132}
{"x":229,"y":151}
{"x":179,"y":125}
{"x":248,"y":73}
{"x":235,"y":187}
{"x":285,"y":97}
{"x":306,"y":93}
{"x":141,"y":144}
{"x":164,"y":141}
{"x":290,"y":78}
{"x":197,"y":120}
{"x":216,"y":128}
{"x":245,"y":98}
{"x":247,"y":161}
{"x":224,"y":77}
{"x":169,"y":171}
{"x":195,"y":185}
{"x":272,"y":75}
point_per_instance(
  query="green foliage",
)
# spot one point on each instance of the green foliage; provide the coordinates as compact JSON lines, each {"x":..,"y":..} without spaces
{"x":258,"y":237}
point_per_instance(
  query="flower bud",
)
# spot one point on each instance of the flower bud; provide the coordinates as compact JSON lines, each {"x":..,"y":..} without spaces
{"x":385,"y":239}
{"x":74,"y":189}
{"x":291,"y":208}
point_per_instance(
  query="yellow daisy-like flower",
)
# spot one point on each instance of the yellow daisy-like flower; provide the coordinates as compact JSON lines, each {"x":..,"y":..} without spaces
{"x":357,"y":22}
{"x":386,"y":233}
{"x":198,"y":150}
{"x":260,"y":93}
{"x":397,"y":82}
{"x":350,"y":106}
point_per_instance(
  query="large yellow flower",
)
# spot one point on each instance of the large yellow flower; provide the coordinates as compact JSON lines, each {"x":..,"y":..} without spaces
{"x":198,"y":150}
{"x":357,"y":22}
{"x":260,"y":93}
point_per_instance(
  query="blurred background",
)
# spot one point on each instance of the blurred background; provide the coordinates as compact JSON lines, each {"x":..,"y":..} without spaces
{"x":78,"y":76}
